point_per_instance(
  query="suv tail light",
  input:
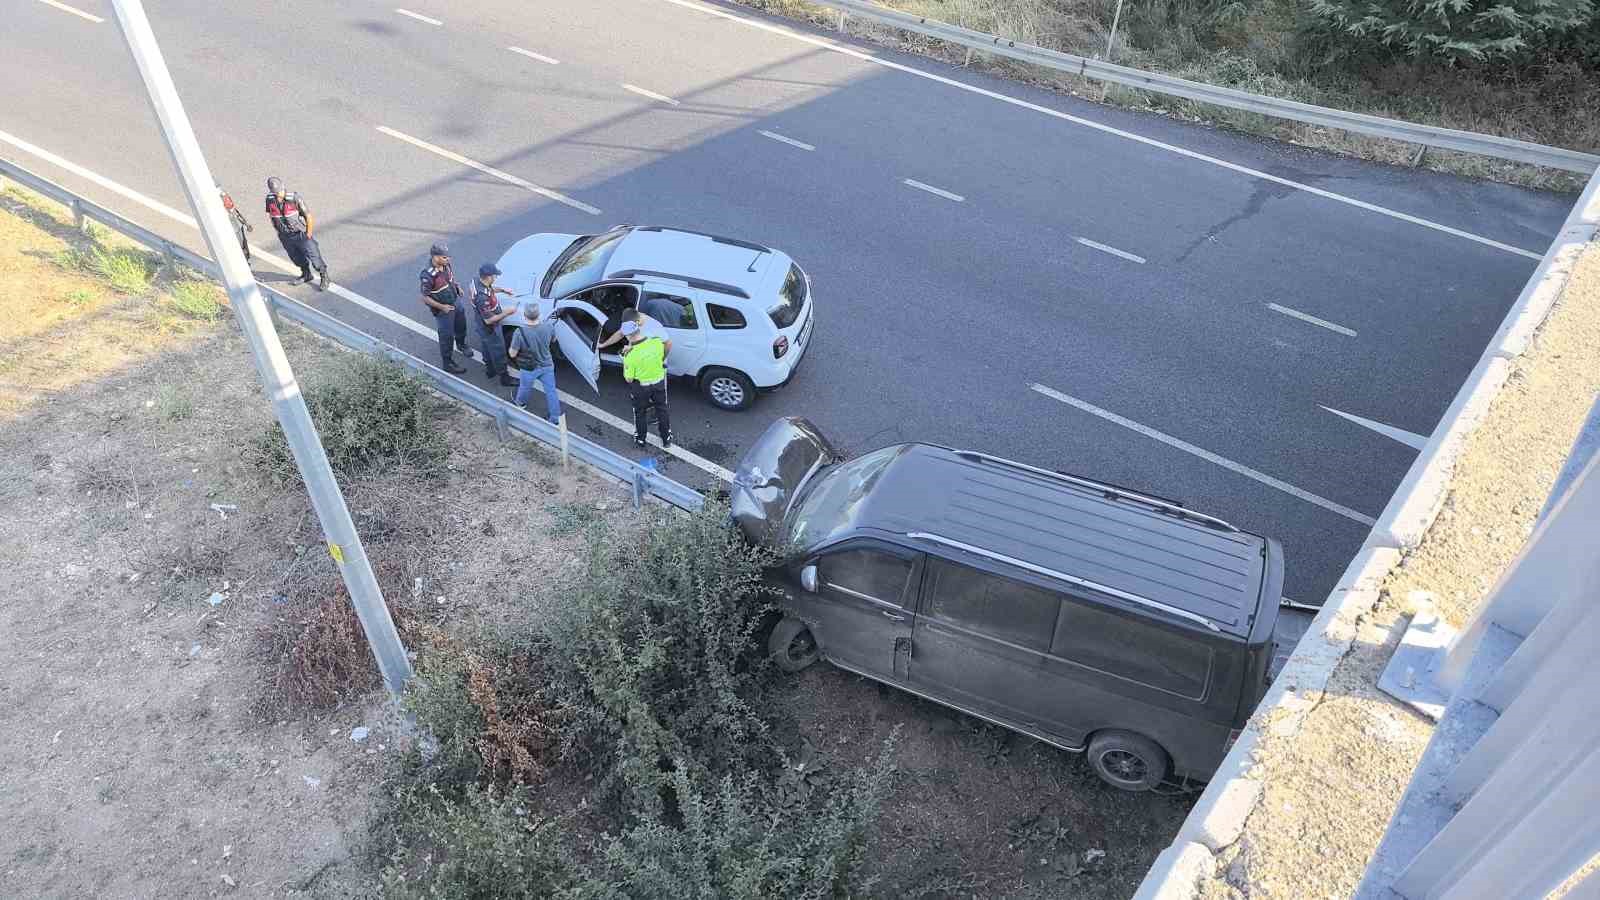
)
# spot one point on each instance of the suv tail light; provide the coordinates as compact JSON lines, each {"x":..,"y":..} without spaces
{"x":780,"y":347}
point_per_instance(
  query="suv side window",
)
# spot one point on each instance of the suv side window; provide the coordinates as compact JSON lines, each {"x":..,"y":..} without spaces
{"x":724,"y":316}
{"x":998,"y":607}
{"x":1139,"y":651}
{"x":868,"y":574}
{"x":670,"y":310}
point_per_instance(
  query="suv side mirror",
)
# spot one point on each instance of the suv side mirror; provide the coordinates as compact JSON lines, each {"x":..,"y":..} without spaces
{"x":808,"y":578}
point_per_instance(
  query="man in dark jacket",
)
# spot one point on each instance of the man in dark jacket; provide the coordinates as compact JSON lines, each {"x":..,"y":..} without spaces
{"x":442,"y":295}
{"x":294,"y":225}
{"x":487,"y":314}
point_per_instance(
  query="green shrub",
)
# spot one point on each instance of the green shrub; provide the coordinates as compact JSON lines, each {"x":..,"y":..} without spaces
{"x":200,"y":300}
{"x":1467,"y":30}
{"x":371,"y":414}
{"x":480,"y":845}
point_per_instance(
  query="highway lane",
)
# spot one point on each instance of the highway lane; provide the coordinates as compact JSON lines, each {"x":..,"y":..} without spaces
{"x":936,"y":316}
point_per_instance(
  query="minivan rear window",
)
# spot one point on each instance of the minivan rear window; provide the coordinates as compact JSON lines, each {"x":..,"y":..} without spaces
{"x":791,"y":298}
{"x":998,"y":607}
{"x":1123,"y":646}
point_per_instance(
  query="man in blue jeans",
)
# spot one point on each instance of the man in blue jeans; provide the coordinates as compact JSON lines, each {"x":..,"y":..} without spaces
{"x":530,"y":353}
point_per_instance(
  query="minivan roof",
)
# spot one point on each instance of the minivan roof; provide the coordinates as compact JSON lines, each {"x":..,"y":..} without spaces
{"x":1127,"y":548}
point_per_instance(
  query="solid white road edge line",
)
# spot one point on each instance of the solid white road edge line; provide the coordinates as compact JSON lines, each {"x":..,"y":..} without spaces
{"x":412,"y":325}
{"x":489,"y":170}
{"x":787,"y":140}
{"x":1206,"y":455}
{"x":910,"y":182}
{"x":1098,"y":126}
{"x":418,"y":16}
{"x":1409,"y":438}
{"x":1307,"y":317}
{"x":635,"y":89}
{"x":532,"y":55}
{"x":1105,"y":248}
{"x":73,"y":10}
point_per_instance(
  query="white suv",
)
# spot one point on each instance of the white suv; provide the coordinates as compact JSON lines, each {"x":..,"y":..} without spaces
{"x":739,"y":315}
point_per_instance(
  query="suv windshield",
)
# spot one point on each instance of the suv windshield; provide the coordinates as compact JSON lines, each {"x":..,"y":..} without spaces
{"x":830,"y":506}
{"x":791,"y":298}
{"x":581,"y":264}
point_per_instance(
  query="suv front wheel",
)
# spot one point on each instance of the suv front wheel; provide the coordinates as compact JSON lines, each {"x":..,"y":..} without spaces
{"x":1126,"y":760}
{"x":728,"y":389}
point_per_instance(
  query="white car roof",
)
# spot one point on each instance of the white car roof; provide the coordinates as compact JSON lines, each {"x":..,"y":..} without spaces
{"x":655,"y":251}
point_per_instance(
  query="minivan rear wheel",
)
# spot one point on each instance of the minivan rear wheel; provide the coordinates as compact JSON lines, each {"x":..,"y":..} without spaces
{"x":791,"y":645}
{"x":1127,"y":761}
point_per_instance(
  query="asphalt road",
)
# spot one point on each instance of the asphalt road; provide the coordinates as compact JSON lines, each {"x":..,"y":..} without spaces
{"x":937,"y":317}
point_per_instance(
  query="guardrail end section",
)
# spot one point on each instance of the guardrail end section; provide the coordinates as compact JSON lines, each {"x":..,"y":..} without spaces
{"x":1177,"y":873}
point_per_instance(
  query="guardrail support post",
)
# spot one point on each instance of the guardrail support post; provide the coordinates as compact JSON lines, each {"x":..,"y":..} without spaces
{"x":1416,"y":158}
{"x":500,"y":423}
{"x":638,"y":488}
{"x":566,"y":461}
{"x":79,"y":220}
{"x":278,"y":381}
{"x":841,"y":20}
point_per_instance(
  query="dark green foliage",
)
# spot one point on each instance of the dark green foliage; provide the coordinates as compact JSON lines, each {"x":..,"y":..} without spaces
{"x":373,"y":414}
{"x":1466,"y":30}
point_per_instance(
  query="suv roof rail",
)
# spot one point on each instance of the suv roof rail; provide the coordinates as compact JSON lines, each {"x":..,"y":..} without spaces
{"x":702,"y":283}
{"x":1070,"y":579}
{"x":1109,"y":491}
{"x":721,"y":239}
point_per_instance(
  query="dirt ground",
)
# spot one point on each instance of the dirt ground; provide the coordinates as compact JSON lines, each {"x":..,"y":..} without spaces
{"x":145,"y":554}
{"x":1330,"y":790}
{"x":132,"y":760}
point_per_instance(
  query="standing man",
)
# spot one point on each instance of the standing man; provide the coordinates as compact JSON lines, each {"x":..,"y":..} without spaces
{"x":441,"y":293}
{"x":294,"y":225}
{"x":644,"y":367}
{"x":240,"y":226}
{"x":487,"y":314}
{"x":530,"y":350}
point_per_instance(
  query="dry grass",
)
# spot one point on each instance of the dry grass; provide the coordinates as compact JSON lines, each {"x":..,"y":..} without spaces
{"x":1262,"y":47}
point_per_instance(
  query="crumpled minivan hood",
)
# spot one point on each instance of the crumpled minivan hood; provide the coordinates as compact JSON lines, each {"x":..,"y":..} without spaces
{"x":774,"y":469}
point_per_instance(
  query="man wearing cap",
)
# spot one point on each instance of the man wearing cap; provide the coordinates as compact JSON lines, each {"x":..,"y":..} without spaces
{"x":294,"y":225}
{"x":487,"y":314}
{"x":442,"y":295}
{"x":530,"y":352}
{"x":644,"y":367}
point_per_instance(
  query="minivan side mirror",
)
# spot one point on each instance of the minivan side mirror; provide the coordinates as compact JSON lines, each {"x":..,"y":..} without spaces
{"x":808,"y":578}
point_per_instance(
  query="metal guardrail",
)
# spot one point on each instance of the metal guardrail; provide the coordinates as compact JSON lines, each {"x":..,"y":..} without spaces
{"x":644,"y":481}
{"x":1155,"y":82}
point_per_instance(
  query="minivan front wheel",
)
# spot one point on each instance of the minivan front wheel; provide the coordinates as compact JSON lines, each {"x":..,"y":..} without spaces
{"x":728,"y":389}
{"x":791,"y":645}
{"x":1127,"y":761}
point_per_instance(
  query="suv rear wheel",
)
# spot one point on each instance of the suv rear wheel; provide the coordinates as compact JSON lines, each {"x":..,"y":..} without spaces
{"x":728,"y":389}
{"x":1128,"y":761}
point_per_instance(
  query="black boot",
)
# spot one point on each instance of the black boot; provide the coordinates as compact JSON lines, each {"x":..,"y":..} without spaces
{"x":451,"y":367}
{"x":305,"y":275}
{"x":322,"y":282}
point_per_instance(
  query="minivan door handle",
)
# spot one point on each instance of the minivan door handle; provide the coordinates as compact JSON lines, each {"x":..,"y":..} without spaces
{"x":891,"y":615}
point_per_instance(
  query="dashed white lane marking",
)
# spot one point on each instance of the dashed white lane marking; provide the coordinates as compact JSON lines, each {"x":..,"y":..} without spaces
{"x":588,"y":409}
{"x":418,"y":16}
{"x":661,"y":98}
{"x":911,"y":182}
{"x":1307,"y":317}
{"x":1409,"y":438}
{"x":1098,"y":126}
{"x":787,"y":140}
{"x":532,"y":55}
{"x":489,"y":170}
{"x":73,"y":10}
{"x":1106,"y":248}
{"x":1206,"y":455}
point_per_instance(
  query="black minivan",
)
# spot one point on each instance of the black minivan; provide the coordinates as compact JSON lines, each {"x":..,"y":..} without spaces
{"x":1086,"y":615}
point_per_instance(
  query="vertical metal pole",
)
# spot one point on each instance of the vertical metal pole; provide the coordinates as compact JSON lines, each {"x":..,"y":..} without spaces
{"x":344,"y":545}
{"x":565,"y":460}
{"x":1111,"y":38}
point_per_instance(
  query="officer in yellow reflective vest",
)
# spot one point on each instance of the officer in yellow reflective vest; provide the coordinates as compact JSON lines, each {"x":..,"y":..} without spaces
{"x":644,"y":368}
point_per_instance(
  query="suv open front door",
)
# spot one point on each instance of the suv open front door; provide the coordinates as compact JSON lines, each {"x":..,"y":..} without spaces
{"x":577,"y":346}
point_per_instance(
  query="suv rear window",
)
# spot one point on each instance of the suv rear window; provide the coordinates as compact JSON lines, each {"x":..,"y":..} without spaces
{"x":791,"y":298}
{"x":1123,"y":646}
{"x":724,"y":316}
{"x":998,"y":607}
